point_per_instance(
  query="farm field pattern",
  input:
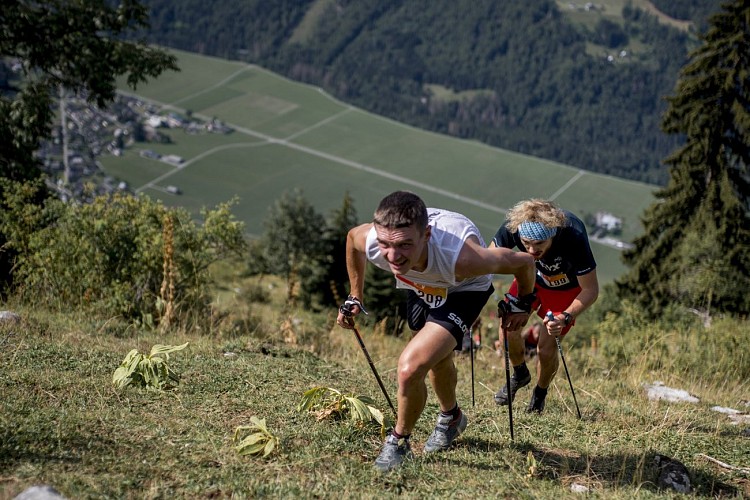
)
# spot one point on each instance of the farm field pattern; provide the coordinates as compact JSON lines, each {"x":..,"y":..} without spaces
{"x":288,"y":135}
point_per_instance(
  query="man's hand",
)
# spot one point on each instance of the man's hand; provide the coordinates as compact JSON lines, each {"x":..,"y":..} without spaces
{"x":351,"y":307}
{"x":554,"y":324}
{"x":514,"y":311}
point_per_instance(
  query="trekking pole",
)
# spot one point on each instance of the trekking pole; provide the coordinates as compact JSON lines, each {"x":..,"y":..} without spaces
{"x":471,"y":337}
{"x":372,"y":366}
{"x":502,"y":310}
{"x":507,"y":382}
{"x":346,"y":312}
{"x":551,"y":317}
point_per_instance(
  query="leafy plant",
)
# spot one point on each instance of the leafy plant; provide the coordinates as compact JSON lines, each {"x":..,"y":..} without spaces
{"x":326,"y":402}
{"x":109,"y":255}
{"x":255,"y":439}
{"x":152,"y":372}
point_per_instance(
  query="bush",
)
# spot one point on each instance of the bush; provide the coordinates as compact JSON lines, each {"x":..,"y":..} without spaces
{"x":127,"y":256}
{"x":677,"y":344}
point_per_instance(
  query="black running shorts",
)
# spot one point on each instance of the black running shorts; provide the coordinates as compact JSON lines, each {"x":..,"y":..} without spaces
{"x":457,"y":315}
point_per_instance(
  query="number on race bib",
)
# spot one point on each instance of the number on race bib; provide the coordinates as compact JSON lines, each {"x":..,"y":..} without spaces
{"x":557,"y":280}
{"x":430,"y":299}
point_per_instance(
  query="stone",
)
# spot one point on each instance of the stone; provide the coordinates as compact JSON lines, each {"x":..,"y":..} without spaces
{"x":9,"y":317}
{"x":658,"y":390}
{"x":673,"y":475}
{"x":39,"y":492}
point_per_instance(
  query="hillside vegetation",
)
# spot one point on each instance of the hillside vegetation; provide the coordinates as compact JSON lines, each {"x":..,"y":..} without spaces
{"x":579,"y":83}
{"x":289,"y":135}
{"x":63,"y":423}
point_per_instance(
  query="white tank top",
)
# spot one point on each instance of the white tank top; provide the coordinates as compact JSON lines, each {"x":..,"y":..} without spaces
{"x":433,"y":285}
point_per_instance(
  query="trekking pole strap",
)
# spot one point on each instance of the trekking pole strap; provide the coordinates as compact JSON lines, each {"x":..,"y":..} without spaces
{"x":346,"y":307}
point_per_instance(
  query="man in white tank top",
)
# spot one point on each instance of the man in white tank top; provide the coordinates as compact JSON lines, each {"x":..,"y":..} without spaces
{"x":440,"y":258}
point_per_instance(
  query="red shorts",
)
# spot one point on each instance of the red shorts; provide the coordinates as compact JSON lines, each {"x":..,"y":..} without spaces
{"x":550,"y":300}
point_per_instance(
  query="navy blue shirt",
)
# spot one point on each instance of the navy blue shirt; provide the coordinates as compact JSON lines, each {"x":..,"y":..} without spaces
{"x":568,"y":257}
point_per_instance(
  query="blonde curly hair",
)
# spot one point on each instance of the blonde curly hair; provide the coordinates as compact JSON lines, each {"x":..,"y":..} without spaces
{"x":535,"y":210}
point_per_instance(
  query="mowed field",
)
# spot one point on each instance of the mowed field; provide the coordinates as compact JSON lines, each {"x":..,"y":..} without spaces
{"x":292,"y":136}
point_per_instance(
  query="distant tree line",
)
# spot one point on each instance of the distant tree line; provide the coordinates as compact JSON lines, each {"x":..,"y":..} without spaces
{"x":544,"y":85}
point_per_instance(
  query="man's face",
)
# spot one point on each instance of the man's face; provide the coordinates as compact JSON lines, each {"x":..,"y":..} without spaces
{"x":537,"y":248}
{"x":404,"y":248}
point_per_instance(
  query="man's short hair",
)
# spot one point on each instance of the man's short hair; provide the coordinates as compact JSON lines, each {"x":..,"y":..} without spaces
{"x":401,"y":209}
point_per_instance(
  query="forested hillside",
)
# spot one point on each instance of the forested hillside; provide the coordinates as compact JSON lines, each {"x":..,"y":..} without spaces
{"x":583,"y":84}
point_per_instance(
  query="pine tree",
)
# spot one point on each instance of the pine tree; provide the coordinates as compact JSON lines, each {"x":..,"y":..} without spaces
{"x":292,"y":244}
{"x":339,"y":224}
{"x":383,"y":300}
{"x":695,"y":251}
{"x":330,"y":285}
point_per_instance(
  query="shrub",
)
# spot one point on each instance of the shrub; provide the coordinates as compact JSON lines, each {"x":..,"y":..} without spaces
{"x":128,"y":256}
{"x":151,"y":371}
{"x":677,"y":343}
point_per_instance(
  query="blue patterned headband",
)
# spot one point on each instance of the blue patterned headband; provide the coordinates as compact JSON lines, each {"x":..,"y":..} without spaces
{"x":536,"y":231}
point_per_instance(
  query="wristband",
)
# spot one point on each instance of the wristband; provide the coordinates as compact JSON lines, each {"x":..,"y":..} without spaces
{"x":568,"y":318}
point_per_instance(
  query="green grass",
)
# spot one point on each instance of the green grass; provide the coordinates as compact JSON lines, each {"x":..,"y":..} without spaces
{"x":441,"y":93}
{"x":290,"y":135}
{"x":611,"y":10}
{"x":305,"y":29}
{"x":62,"y":423}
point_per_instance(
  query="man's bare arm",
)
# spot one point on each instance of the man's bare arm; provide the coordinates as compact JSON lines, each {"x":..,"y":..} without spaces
{"x":475,"y":260}
{"x":589,"y":284}
{"x":356,"y":259}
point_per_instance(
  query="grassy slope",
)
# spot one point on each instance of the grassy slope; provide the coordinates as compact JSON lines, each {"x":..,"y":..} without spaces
{"x":290,"y":135}
{"x":62,"y":423}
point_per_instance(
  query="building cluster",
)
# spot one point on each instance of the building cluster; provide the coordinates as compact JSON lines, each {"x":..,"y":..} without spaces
{"x":91,"y":132}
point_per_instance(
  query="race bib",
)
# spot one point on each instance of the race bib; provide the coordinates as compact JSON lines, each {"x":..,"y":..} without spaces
{"x":433,"y":296}
{"x":556,"y":280}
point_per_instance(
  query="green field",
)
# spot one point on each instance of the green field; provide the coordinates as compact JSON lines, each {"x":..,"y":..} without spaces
{"x":288,"y":135}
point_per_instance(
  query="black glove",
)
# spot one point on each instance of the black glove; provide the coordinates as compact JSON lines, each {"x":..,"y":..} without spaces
{"x":346,"y":307}
{"x":515,"y":305}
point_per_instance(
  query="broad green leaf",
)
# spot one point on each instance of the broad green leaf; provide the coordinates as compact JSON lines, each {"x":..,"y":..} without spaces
{"x":132,"y":360}
{"x":259,"y":423}
{"x":377,"y":415}
{"x":358,"y":410}
{"x":310,"y":397}
{"x":252,"y":439}
{"x":366,"y":399}
{"x":166,"y":349}
{"x":130,"y":357}
{"x":151,"y":372}
{"x":270,"y":445}
{"x":121,"y":377}
{"x":252,"y":449}
{"x":260,"y":440}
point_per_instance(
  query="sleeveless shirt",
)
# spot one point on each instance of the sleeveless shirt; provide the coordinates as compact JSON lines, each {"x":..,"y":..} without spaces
{"x":433,"y":285}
